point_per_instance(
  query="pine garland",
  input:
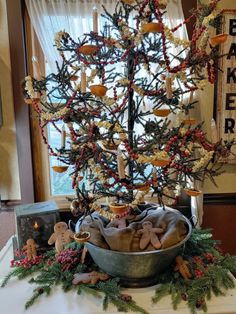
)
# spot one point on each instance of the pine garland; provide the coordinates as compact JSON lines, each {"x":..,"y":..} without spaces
{"x":211,"y":275}
{"x":210,"y":269}
{"x":51,"y":271}
{"x":112,"y":293}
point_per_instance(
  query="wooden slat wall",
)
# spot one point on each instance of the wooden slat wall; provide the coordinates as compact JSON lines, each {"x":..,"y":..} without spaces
{"x":220,"y":215}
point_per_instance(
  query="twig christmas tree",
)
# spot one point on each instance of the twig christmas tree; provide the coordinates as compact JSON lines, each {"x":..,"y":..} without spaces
{"x":126,"y":94}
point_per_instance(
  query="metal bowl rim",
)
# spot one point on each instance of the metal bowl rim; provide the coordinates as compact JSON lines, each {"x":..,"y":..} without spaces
{"x":154,"y":251}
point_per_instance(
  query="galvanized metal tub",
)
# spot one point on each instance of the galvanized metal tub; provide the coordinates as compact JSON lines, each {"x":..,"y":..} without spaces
{"x":137,"y":269}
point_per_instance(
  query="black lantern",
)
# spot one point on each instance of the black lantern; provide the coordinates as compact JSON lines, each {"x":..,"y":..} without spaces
{"x":35,"y":221}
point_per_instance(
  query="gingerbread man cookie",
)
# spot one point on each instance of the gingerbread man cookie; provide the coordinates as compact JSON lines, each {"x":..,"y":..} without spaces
{"x":30,"y":249}
{"x":149,"y":235}
{"x":61,"y":236}
{"x":181,"y":266}
{"x":92,"y":277}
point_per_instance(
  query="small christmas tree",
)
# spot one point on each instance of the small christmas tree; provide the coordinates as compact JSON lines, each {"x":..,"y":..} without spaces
{"x":125,"y":95}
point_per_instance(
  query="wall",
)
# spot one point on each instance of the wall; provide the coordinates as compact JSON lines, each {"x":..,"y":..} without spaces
{"x":9,"y":172}
{"x":227,"y":181}
{"x":221,"y":219}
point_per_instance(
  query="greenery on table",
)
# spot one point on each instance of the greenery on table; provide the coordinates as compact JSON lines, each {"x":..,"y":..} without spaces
{"x":211,"y":275}
{"x":210,"y":270}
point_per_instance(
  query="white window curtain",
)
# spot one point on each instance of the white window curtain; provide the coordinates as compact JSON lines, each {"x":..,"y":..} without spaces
{"x":75,"y":17}
{"x":72,"y":16}
{"x":175,"y":16}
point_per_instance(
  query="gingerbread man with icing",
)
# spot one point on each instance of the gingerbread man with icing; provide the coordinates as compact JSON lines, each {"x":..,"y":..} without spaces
{"x":30,"y":249}
{"x":61,"y":236}
{"x":149,"y":235}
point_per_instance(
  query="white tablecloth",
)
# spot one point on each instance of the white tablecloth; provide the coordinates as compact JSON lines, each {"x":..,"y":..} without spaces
{"x":14,"y":296}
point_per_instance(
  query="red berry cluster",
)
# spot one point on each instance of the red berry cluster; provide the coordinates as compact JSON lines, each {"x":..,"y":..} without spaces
{"x":68,"y":258}
{"x":197,"y":32}
{"x":113,"y":174}
{"x":198,"y":273}
{"x":130,"y":151}
{"x":51,"y":151}
{"x":115,"y":97}
{"x":50,"y":262}
{"x":153,"y":92}
{"x":27,"y":263}
{"x":170,"y":142}
{"x":19,"y":253}
{"x":117,"y":109}
{"x":209,"y":257}
{"x":212,"y":72}
{"x":141,"y":10}
{"x":180,"y":167}
{"x":124,"y":214}
{"x":204,"y":260}
{"x":174,"y":29}
{"x":197,"y":260}
{"x":201,"y":138}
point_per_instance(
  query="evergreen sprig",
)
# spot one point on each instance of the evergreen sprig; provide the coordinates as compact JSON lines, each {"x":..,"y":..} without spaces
{"x":21,"y":273}
{"x":111,"y":289}
{"x":13,"y":273}
{"x":37,"y":293}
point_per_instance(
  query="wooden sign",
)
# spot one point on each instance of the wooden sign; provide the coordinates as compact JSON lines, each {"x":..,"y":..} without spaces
{"x":225,"y":96}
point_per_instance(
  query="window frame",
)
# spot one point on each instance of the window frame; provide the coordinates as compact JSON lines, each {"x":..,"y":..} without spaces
{"x":41,"y":162}
{"x":16,"y":34}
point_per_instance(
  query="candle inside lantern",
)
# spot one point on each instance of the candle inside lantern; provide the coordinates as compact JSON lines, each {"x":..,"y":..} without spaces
{"x":63,"y":137}
{"x":95,"y":20}
{"x":36,"y":225}
{"x":83,"y":81}
{"x":120,"y":165}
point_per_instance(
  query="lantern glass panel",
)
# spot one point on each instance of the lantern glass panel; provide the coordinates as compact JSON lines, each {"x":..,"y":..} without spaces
{"x":36,"y":221}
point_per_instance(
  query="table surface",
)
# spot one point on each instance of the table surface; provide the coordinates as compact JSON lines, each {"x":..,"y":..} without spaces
{"x":14,"y":296}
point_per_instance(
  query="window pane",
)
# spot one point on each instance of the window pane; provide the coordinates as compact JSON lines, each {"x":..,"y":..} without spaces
{"x":60,"y":183}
